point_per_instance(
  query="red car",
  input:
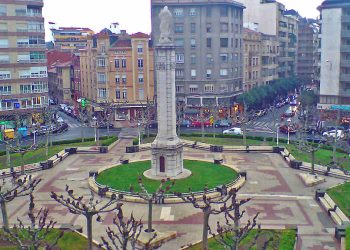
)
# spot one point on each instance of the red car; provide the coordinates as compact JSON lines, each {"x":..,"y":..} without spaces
{"x":198,"y":124}
{"x":284,"y":129}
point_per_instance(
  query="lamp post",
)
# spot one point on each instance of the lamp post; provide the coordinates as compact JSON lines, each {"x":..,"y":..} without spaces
{"x":277,"y":135}
{"x":288,"y":133}
{"x":138,"y":126}
{"x":34,"y":132}
{"x":95,"y":125}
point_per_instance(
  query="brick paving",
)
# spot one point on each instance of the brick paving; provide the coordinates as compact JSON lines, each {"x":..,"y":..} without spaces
{"x":280,"y":197}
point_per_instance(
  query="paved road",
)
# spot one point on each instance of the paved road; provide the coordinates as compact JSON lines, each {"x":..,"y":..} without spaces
{"x":279,"y":196}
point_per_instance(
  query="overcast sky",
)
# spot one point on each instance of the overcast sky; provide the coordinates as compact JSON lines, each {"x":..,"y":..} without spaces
{"x":132,"y":15}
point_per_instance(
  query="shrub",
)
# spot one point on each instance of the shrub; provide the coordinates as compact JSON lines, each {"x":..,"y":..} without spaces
{"x":109,"y":141}
{"x":135,"y":141}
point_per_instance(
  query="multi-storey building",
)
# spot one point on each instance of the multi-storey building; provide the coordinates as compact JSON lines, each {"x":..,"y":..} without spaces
{"x":269,"y":58}
{"x":70,"y":39}
{"x":308,"y":55}
{"x":209,"y":49}
{"x":117,"y":68}
{"x":23,"y":71}
{"x":335,"y":54}
{"x":64,"y":76}
{"x":252,"y":59}
{"x":273,"y":19}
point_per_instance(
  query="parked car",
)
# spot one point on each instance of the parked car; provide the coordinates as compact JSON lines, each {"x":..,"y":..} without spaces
{"x":288,"y":113}
{"x":316,"y":139}
{"x":233,"y":131}
{"x":332,"y":133}
{"x":185,"y":123}
{"x":198,"y":124}
{"x":153,"y":124}
{"x":223,"y":123}
{"x":284,"y":129}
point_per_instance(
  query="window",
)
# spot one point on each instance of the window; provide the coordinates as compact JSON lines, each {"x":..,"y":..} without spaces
{"x":193,"y":73}
{"x":193,"y":12}
{"x":209,"y":59}
{"x":36,"y":101}
{"x":123,"y":63}
{"x":193,"y":88}
{"x":6,"y":105}
{"x":21,"y":27}
{"x":180,"y":58}
{"x":125,"y":94}
{"x":39,"y":87}
{"x":4,"y":43}
{"x":208,"y":11}
{"x":224,"y":57}
{"x":117,"y":79}
{"x":3,"y":27}
{"x":208,"y":73}
{"x":193,"y":27}
{"x":116,"y":63}
{"x":179,"y":28}
{"x":5,"y":90}
{"x":25,"y":89}
{"x":140,"y":63}
{"x":26,"y":103}
{"x":101,"y":62}
{"x":223,"y":42}
{"x":140,"y":48}
{"x":193,"y":59}
{"x":101,"y":77}
{"x":223,"y":27}
{"x":208,"y":42}
{"x":5,"y":75}
{"x":117,"y":94}
{"x":141,"y":78}
{"x":3,"y":10}
{"x":223,"y":72}
{"x":179,"y":73}
{"x":223,"y":11}
{"x":209,"y":88}
{"x":23,"y":42}
{"x":103,"y":48}
{"x":180,"y":89}
{"x":193,"y":43}
{"x":4,"y":58}
{"x":124,"y":79}
{"x":21,"y":12}
{"x":102,"y":93}
{"x":37,"y":56}
{"x":209,"y":28}
{"x":141,"y":94}
{"x":36,"y":27}
{"x":179,"y":42}
{"x":178,"y":12}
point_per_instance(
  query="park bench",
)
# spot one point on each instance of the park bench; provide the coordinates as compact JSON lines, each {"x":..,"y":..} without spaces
{"x":218,"y":159}
{"x":285,"y":153}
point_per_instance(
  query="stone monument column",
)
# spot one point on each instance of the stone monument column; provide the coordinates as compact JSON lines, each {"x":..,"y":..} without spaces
{"x":167,"y":148}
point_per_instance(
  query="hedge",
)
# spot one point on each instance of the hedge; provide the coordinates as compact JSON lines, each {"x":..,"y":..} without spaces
{"x":135,"y":141}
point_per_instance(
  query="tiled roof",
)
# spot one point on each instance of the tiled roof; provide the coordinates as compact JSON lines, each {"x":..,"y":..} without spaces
{"x":139,"y":35}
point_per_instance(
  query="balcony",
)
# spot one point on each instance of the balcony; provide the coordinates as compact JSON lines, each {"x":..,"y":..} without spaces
{"x":344,"y":77}
{"x":25,"y":61}
{"x":31,"y":46}
{"x":345,"y":33}
{"x":345,"y":48}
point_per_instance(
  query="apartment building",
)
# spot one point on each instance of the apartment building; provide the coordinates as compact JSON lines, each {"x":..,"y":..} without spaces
{"x":273,"y":19}
{"x":335,"y":55}
{"x":308,"y":50}
{"x":269,"y":58}
{"x":252,"y":59}
{"x":209,"y":49}
{"x":117,"y":68}
{"x":23,"y":71}
{"x":70,"y":39}
{"x":64,"y":76}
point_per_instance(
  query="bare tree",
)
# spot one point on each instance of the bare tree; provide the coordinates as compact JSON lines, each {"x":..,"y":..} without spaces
{"x":126,"y":232}
{"x":156,"y":197}
{"x":87,"y":207}
{"x":209,"y":206}
{"x":13,"y":187}
{"x":35,"y":235}
{"x":243,"y":119}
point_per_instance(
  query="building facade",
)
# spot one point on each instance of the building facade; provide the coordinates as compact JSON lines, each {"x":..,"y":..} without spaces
{"x":23,"y":71}
{"x":117,"y":68}
{"x":335,"y":54}
{"x":209,"y":49}
{"x":308,"y":50}
{"x":269,"y":59}
{"x":278,"y":22}
{"x":252,"y":59}
{"x":70,"y":39}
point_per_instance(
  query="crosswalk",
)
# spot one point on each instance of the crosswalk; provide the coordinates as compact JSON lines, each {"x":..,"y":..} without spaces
{"x":261,"y":126}
{"x":73,"y":124}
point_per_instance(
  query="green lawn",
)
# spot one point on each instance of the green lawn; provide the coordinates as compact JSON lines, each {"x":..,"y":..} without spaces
{"x":281,"y":240}
{"x":70,"y":240}
{"x":341,"y":196}
{"x":39,"y":155}
{"x":347,"y":238}
{"x":121,"y":177}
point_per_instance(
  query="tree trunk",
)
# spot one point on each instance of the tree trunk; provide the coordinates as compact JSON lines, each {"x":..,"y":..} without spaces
{"x":312,"y":162}
{"x":22,"y":163}
{"x":107,"y":128}
{"x":125,"y":242}
{"x":4,"y":214}
{"x":206,"y":215}
{"x":47,"y":145}
{"x":82,"y":133}
{"x":8,"y":156}
{"x":244,"y":135}
{"x":202,"y":122}
{"x":89,"y":230}
{"x":149,"y":229}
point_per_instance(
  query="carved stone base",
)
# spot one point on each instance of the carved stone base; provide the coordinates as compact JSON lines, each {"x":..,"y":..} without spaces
{"x":310,"y":180}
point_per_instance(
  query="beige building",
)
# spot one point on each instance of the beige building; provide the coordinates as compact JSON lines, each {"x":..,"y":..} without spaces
{"x":260,"y":59}
{"x":23,"y":71}
{"x":117,"y":68}
{"x":273,"y":19}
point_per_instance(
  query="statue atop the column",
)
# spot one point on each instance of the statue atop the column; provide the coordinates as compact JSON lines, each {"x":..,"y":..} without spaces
{"x":166,"y":24}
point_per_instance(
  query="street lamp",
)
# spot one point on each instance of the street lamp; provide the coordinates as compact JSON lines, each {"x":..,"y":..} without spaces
{"x":138,"y":126}
{"x":95,"y":125}
{"x":34,"y":132}
{"x":277,"y":135}
{"x":288,"y":123}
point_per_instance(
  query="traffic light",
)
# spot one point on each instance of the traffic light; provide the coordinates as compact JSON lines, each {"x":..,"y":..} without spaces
{"x":211,"y":120}
{"x":83,"y":103}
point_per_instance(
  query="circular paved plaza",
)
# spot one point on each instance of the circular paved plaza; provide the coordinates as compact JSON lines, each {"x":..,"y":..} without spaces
{"x":278,"y":194}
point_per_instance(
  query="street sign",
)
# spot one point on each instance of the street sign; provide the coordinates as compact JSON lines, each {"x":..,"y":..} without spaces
{"x":4,"y":122}
{"x":340,"y":107}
